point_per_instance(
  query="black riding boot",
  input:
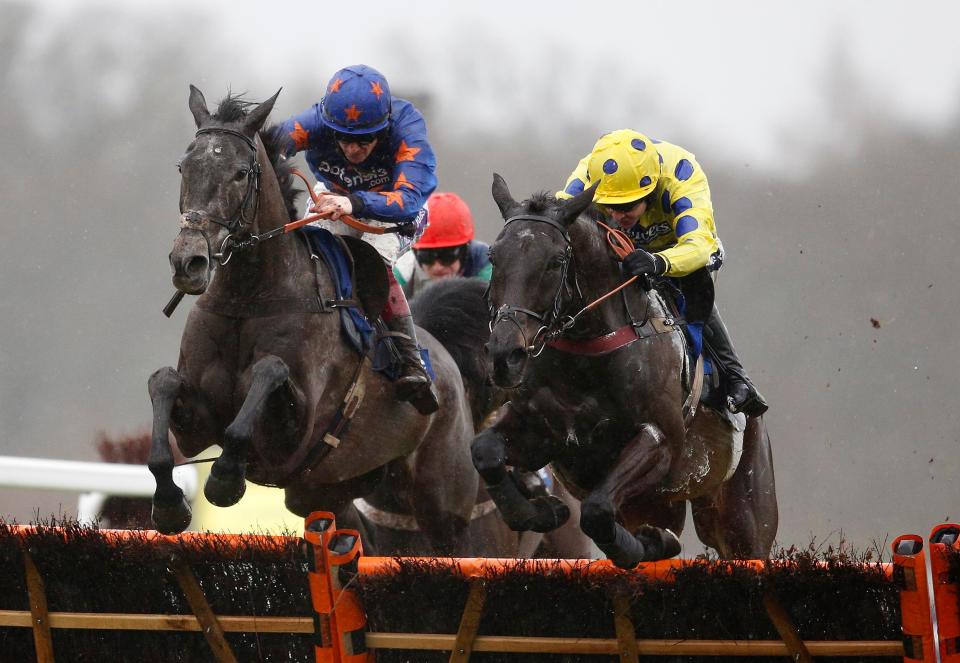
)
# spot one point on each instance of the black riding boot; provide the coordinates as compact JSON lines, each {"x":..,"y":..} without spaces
{"x":413,"y":385}
{"x":742,"y":395}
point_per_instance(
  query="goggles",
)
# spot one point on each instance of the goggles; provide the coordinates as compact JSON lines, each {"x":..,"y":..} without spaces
{"x":359,"y":139}
{"x":445,"y":256}
{"x":621,"y":207}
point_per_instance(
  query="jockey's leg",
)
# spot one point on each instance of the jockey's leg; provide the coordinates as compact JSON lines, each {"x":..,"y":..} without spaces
{"x":743,"y":395}
{"x":413,"y":385}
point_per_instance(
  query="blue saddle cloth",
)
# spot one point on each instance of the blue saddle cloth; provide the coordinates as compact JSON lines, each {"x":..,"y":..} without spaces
{"x":353,"y":322}
{"x":694,"y":333}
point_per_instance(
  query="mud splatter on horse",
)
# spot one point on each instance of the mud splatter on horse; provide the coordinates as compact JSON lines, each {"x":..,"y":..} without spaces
{"x":600,"y":396}
{"x":264,"y":370}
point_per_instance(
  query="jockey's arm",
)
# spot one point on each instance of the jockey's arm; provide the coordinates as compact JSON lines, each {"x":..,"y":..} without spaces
{"x":414,"y":174}
{"x":695,"y":244}
{"x":692,"y":224}
{"x":302,"y":130}
{"x":577,"y":180}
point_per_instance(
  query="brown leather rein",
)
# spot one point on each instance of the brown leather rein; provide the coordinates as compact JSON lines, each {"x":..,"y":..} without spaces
{"x":230,"y":245}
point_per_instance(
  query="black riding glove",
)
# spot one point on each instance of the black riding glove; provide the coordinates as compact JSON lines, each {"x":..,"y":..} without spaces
{"x":640,"y":263}
{"x":406,"y":229}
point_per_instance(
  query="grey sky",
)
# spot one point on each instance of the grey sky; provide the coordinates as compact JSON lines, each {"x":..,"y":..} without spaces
{"x":830,"y":132}
{"x":743,"y":76}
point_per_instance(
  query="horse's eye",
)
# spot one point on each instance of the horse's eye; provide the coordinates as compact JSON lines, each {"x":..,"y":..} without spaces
{"x":555,"y":263}
{"x":242,"y":174}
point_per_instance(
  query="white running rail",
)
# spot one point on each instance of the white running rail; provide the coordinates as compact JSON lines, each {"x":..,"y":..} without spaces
{"x":96,"y":481}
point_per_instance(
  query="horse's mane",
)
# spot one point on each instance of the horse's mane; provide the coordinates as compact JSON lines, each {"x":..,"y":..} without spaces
{"x":233,"y":109}
{"x":544,"y":201}
{"x":540,"y":202}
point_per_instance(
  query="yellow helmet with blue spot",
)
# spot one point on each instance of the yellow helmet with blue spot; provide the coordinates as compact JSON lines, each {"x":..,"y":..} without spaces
{"x":627,"y":166}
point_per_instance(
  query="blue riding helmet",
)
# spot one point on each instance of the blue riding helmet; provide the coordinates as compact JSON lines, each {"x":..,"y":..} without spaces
{"x":357,"y":101}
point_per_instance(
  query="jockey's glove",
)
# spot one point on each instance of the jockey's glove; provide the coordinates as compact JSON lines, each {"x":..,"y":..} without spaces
{"x":406,"y":229}
{"x":643,"y":263}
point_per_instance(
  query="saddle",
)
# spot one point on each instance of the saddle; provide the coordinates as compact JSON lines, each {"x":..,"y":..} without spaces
{"x":359,"y":283}
{"x":361,"y":292}
{"x":691,"y":301}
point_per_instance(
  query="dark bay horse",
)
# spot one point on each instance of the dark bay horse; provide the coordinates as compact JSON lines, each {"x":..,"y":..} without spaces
{"x":609,"y":418}
{"x":265,"y":373}
{"x":454,"y":311}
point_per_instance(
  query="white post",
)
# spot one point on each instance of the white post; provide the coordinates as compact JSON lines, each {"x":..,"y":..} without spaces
{"x":95,"y":480}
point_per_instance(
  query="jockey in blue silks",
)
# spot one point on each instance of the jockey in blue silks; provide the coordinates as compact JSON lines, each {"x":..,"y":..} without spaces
{"x":369,"y":153}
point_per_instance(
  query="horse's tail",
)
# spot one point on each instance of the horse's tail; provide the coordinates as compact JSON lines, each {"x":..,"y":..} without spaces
{"x":454,"y":311}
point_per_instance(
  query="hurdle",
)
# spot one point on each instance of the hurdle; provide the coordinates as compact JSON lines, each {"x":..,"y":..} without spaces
{"x":336,"y":627}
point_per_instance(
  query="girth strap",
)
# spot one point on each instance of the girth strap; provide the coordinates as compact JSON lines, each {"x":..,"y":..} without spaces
{"x":689,"y":408}
{"x":620,"y":338}
{"x":306,"y":457}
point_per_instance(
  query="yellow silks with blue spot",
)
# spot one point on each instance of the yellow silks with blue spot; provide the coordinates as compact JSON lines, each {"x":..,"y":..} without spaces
{"x":678,"y":223}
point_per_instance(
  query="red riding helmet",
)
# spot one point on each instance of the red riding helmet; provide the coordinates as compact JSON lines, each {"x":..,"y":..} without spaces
{"x":450,"y":222}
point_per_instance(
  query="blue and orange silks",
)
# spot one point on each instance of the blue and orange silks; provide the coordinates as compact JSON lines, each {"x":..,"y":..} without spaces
{"x":392,"y":184}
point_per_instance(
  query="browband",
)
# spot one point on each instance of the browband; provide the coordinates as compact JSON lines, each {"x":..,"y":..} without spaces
{"x":540,"y":219}
{"x":232,"y":132}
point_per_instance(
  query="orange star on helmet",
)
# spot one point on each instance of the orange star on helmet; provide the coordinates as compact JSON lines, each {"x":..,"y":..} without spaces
{"x":375,"y":88}
{"x":402,"y":181}
{"x":393,"y":198}
{"x":352,"y":113}
{"x":406,"y":153}
{"x":335,"y":86}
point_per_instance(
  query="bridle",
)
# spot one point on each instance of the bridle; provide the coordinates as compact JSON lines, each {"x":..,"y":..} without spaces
{"x":251,"y":197}
{"x":551,"y":322}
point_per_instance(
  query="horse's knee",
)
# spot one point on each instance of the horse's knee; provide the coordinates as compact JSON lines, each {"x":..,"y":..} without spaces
{"x":597,"y":519}
{"x":489,"y":456}
{"x":164,"y":382}
{"x":272,"y":369}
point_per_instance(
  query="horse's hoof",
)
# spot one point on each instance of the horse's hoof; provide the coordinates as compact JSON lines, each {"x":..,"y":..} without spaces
{"x":224,"y":490}
{"x":171,"y":519}
{"x":552,"y":513}
{"x":658,"y":543}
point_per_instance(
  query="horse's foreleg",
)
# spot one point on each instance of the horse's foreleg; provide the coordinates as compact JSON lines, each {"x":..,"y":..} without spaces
{"x":642,"y":464}
{"x":226,"y":484}
{"x":542,"y":514}
{"x":171,"y":511}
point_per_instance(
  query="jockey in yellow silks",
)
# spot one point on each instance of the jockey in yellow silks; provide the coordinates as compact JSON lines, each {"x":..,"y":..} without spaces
{"x":658,"y":194}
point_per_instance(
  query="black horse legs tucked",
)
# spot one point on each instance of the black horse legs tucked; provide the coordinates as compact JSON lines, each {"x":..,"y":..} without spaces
{"x":541,"y":514}
{"x":226,"y":483}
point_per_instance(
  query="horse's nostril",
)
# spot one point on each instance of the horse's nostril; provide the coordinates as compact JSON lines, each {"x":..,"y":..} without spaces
{"x":517,"y":357}
{"x":196,"y":266}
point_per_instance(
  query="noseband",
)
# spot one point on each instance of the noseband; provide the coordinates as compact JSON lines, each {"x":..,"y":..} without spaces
{"x":548,"y":320}
{"x":239,"y":219}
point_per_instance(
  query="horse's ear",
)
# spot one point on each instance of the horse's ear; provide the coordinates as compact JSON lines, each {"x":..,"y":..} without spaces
{"x":258,"y":115}
{"x":501,"y":194}
{"x":573,"y":207}
{"x":198,"y":106}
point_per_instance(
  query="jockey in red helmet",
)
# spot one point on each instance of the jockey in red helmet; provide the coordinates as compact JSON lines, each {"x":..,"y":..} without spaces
{"x":657,"y":193}
{"x":369,"y":153}
{"x":446,"y":248}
